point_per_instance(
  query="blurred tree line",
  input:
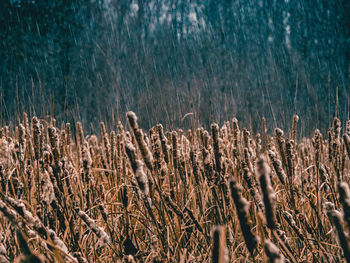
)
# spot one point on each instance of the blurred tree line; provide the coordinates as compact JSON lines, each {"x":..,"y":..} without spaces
{"x":93,"y":60}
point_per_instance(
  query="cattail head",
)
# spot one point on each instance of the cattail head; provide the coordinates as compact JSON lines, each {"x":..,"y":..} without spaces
{"x":27,"y":254}
{"x":337,"y":220}
{"x":295,"y":127}
{"x":98,"y":231}
{"x":344,"y":194}
{"x":272,"y":252}
{"x":57,"y":241}
{"x":132,"y":119}
{"x":141,"y":178}
{"x":242,"y":207}
{"x":215,"y":136}
{"x":131,"y":152}
{"x":124,"y":195}
{"x":277,"y":165}
{"x":263,"y":171}
{"x":336,"y":128}
{"x":47,"y":189}
{"x":278,"y":132}
{"x":80,"y":133}
{"x":206,"y":139}
{"x":86,"y":156}
{"x":22,"y":135}
{"x":68,"y":134}
{"x":6,"y":149}
{"x":220,"y":253}
{"x":347,"y":131}
{"x":36,"y":137}
{"x":140,"y":139}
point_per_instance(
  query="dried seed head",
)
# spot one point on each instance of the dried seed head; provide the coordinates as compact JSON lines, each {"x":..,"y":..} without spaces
{"x":141,"y":178}
{"x":242,"y":207}
{"x":272,"y":252}
{"x":124,"y":195}
{"x":336,"y":128}
{"x":220,"y":252}
{"x":268,"y":193}
{"x":277,"y":165}
{"x":57,"y":242}
{"x":80,"y":133}
{"x":132,"y":118}
{"x":344,"y":193}
{"x":295,"y":127}
{"x":47,"y":190}
{"x":215,"y":136}
{"x":98,"y":231}
{"x":140,"y":139}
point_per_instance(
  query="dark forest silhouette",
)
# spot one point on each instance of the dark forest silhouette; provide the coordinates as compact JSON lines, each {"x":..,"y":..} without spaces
{"x":216,"y":59}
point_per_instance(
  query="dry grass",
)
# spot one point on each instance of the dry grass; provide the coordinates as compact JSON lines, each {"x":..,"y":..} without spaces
{"x":197,"y":196}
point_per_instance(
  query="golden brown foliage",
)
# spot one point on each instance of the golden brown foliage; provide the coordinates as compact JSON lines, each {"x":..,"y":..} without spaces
{"x":173,"y":196}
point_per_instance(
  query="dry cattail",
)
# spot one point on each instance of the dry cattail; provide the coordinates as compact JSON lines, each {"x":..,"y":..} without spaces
{"x":79,"y":257}
{"x":268,"y":193}
{"x":220,"y":253}
{"x":336,"y":218}
{"x":45,"y":180}
{"x":175,"y":150}
{"x":21,"y":136}
{"x":347,"y":144}
{"x":47,"y":191}
{"x":295,"y":127}
{"x":277,"y":165}
{"x":131,"y":152}
{"x":30,"y":220}
{"x":80,"y":133}
{"x":242,"y":207}
{"x":146,"y":153}
{"x":236,"y":134}
{"x":141,"y":178}
{"x":163,"y":141}
{"x":98,"y":231}
{"x":272,"y":252}
{"x":28,"y":255}
{"x":68,"y":134}
{"x":124,"y":195}
{"x":290,"y":220}
{"x":347,"y":127}
{"x":62,"y":143}
{"x":106,"y":142}
{"x":344,"y":193}
{"x":317,"y":143}
{"x":57,"y":242}
{"x":215,"y":135}
{"x":289,"y":158}
{"x":281,"y":145}
{"x":54,"y":143}
{"x":264,"y":131}
{"x":336,"y":128}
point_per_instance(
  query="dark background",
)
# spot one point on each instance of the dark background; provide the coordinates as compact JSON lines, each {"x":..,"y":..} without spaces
{"x":94,"y":60}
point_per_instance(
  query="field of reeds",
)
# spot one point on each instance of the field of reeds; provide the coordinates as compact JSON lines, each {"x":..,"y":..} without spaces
{"x":218,"y":195}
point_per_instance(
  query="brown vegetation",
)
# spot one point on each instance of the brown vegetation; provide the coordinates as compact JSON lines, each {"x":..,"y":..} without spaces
{"x":223,"y":195}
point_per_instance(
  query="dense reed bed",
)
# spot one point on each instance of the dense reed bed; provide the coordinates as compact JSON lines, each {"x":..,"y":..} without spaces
{"x":223,"y":195}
